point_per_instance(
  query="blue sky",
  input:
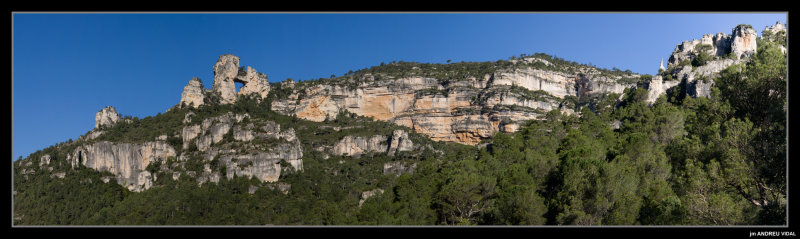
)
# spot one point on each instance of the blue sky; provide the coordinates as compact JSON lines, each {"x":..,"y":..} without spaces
{"x":66,"y":66}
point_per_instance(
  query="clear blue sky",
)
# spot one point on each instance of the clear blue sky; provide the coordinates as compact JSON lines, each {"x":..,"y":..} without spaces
{"x":66,"y":67}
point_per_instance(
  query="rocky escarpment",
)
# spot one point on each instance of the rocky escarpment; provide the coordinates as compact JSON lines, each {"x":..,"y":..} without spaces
{"x":741,"y":43}
{"x":125,"y":160}
{"x":106,"y":117}
{"x":464,"y":110}
{"x":357,"y":145}
{"x":210,"y":130}
{"x":226,"y":74}
{"x":721,"y":50}
{"x":254,"y":147}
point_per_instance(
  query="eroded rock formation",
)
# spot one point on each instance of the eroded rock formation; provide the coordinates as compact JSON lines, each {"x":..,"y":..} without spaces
{"x":225,"y":71}
{"x":464,"y":111}
{"x":193,"y":93}
{"x":358,"y":145}
{"x":125,"y":160}
{"x":724,"y":51}
{"x":106,"y":117}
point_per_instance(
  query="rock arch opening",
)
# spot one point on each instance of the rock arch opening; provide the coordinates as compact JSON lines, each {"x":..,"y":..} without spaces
{"x":239,"y":84}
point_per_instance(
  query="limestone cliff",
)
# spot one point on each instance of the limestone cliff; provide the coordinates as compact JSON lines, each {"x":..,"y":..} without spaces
{"x":125,"y":160}
{"x":193,"y":94}
{"x":741,"y":43}
{"x":466,"y":110}
{"x":225,"y":71}
{"x":723,"y":50}
{"x":226,"y":74}
{"x":357,"y":145}
{"x":106,"y":117}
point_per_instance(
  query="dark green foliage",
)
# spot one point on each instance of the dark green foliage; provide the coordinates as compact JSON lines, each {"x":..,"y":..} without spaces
{"x":701,"y":58}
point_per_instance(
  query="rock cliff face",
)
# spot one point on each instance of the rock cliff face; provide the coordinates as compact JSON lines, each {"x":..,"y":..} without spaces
{"x":466,"y":111}
{"x":210,"y":131}
{"x":357,"y":145}
{"x":125,"y":160}
{"x":741,"y":43}
{"x":225,"y":71}
{"x":254,"y":83}
{"x":265,"y":161}
{"x":725,"y":51}
{"x":106,"y":117}
{"x":193,"y":94}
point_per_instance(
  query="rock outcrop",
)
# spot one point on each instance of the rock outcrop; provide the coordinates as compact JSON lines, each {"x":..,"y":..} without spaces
{"x":193,"y":93}
{"x":106,"y":117}
{"x":210,"y":131}
{"x":44,"y":160}
{"x":399,"y":142}
{"x":741,"y":43}
{"x":254,"y":83}
{"x":466,"y":110}
{"x":368,"y":194}
{"x":225,"y":71}
{"x":257,"y":148}
{"x":358,"y":145}
{"x":724,"y":51}
{"x":398,"y":168}
{"x":126,"y":161}
{"x":775,"y":29}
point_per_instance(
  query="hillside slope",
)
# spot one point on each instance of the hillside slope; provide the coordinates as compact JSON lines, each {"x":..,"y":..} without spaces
{"x":701,"y":143}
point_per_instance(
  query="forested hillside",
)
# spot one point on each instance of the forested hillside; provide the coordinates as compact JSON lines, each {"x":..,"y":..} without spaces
{"x":718,"y":160}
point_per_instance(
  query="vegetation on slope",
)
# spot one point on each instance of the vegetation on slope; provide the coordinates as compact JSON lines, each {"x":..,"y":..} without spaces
{"x":696,"y":161}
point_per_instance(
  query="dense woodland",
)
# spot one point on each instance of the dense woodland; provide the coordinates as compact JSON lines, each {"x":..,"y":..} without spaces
{"x":680,"y":161}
